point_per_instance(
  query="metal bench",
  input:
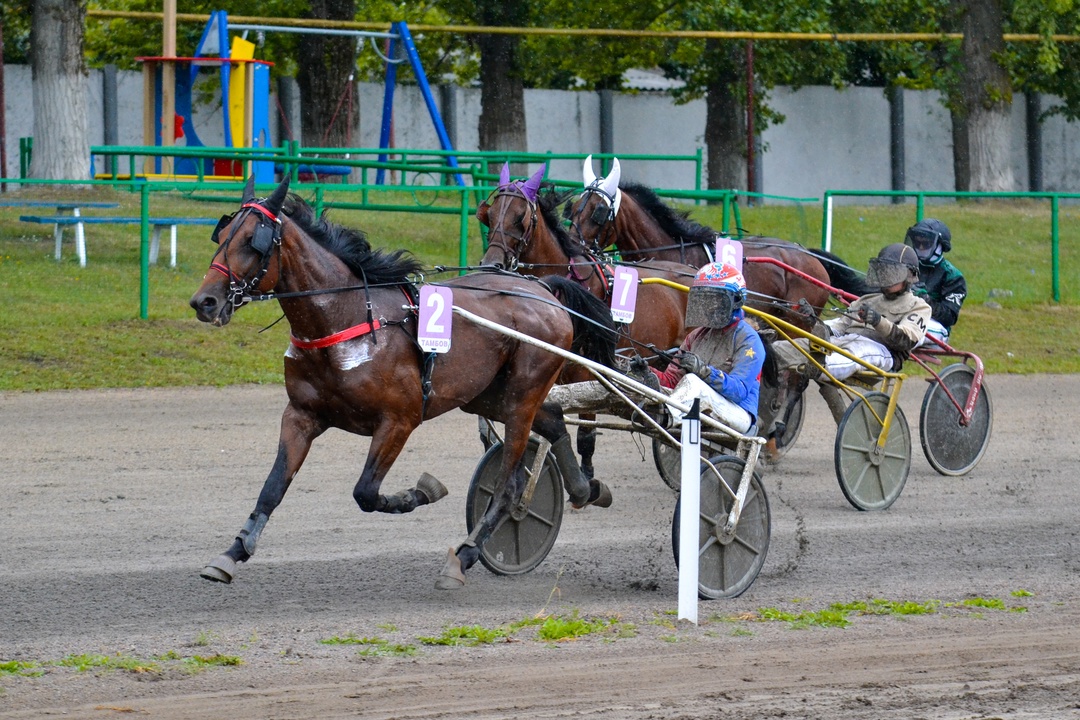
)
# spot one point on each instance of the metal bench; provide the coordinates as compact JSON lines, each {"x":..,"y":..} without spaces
{"x":59,"y":222}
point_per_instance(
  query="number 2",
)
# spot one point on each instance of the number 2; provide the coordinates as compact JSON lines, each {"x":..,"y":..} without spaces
{"x":438,"y":307}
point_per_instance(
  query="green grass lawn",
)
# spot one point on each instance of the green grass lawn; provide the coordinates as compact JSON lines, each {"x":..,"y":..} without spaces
{"x":66,"y":327}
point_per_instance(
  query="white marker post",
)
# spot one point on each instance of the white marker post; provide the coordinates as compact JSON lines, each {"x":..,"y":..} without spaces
{"x":689,"y":509}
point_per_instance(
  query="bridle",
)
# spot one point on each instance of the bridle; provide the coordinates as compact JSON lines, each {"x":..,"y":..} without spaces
{"x":602,"y":215}
{"x":264,"y":240}
{"x":497,"y":236}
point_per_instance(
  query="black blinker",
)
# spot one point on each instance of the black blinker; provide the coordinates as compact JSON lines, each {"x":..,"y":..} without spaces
{"x":262,"y":240}
{"x":601,"y":214}
{"x":222,"y":224}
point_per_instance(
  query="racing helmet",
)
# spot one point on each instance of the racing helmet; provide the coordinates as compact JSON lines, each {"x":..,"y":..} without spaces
{"x":895,"y":263}
{"x":716,"y":295}
{"x":930,"y":239}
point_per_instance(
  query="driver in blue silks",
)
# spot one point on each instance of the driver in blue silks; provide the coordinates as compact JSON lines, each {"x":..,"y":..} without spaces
{"x":720,"y":360}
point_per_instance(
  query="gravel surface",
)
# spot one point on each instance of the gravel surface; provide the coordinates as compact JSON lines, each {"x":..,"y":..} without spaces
{"x":112,"y":502}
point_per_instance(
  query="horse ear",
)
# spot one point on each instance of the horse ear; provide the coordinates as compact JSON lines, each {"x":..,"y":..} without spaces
{"x":249,"y":191}
{"x":504,"y":175}
{"x":611,"y":182}
{"x":482,"y":213}
{"x":587,"y":172}
{"x":531,"y":188}
{"x":277,"y":198}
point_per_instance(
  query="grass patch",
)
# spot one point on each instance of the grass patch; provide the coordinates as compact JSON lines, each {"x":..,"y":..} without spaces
{"x":558,"y":628}
{"x":20,"y":668}
{"x":467,"y":635}
{"x":120,"y":662}
{"x":839,"y":615}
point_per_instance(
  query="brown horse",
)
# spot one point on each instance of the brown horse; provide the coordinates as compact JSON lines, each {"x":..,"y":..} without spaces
{"x":645,"y":228}
{"x":526,"y":234}
{"x":354,"y":362}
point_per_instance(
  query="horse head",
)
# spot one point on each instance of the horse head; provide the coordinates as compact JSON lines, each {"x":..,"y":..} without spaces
{"x":247,"y":241}
{"x":510,"y":214}
{"x":594,"y":212}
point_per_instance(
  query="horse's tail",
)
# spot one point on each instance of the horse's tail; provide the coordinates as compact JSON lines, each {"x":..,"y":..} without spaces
{"x":595,"y":335}
{"x":841,"y":275}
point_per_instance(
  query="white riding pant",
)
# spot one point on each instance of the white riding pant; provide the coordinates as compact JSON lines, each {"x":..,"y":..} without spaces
{"x":716,"y":405}
{"x":861,"y":347}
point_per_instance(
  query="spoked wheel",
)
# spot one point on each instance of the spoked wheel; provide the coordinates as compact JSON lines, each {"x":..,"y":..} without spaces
{"x":728,"y":563}
{"x":870,"y":476}
{"x":668,"y":461}
{"x":528,"y":534}
{"x":952,"y":448}
{"x":792,"y":427}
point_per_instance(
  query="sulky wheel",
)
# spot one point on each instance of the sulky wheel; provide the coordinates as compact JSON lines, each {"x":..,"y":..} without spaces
{"x":728,"y":564}
{"x":528,"y":534}
{"x":668,"y":460}
{"x":952,"y":448}
{"x":872,"y":477}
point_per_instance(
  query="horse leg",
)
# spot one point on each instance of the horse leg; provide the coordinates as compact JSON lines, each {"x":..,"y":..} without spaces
{"x":583,"y":489}
{"x":507,"y":494}
{"x":586,"y":446}
{"x":298,"y":431}
{"x":386,"y":444}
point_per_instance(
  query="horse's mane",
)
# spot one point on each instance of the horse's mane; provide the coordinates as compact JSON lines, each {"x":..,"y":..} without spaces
{"x":376,"y":267}
{"x":842,"y":275}
{"x":548,"y":201}
{"x":674,"y":223}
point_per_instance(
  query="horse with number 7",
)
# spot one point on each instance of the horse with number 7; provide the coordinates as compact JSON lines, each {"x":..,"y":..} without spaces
{"x":354,"y":363}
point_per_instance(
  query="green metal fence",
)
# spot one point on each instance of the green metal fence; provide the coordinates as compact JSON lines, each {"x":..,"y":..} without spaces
{"x":1055,"y":199}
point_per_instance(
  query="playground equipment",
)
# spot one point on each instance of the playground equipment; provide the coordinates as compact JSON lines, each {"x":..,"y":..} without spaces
{"x":245,"y":103}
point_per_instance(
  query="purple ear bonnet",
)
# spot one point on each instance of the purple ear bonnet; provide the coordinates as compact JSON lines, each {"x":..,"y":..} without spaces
{"x":529,"y":188}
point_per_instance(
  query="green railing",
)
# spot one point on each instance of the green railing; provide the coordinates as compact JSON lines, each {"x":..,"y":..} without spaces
{"x":1055,"y":199}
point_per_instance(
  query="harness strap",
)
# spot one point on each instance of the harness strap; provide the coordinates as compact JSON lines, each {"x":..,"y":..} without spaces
{"x":262,"y":209}
{"x":347,"y":334}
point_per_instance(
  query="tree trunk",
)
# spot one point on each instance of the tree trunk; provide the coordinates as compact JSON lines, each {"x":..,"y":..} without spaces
{"x":961,"y":163}
{"x":502,"y":95}
{"x":328,"y":102}
{"x":986,"y":97}
{"x":502,"y":87}
{"x":725,"y":120}
{"x":61,"y":134}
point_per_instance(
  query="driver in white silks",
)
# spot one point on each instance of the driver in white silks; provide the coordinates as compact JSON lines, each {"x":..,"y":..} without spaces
{"x":721,"y":358}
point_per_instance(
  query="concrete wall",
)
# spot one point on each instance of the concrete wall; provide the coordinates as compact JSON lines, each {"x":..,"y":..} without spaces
{"x":831,"y":139}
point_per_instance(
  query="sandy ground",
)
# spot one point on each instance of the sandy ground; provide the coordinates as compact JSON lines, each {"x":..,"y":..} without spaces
{"x":113,"y":501}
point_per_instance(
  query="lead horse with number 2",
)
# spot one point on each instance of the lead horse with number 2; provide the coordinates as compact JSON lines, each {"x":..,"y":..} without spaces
{"x":354,"y":362}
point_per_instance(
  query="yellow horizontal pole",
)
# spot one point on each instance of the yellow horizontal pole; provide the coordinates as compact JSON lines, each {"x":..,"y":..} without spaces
{"x":585,"y":32}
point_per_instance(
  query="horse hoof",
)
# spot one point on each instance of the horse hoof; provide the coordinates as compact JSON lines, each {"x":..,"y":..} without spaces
{"x":602,"y":494}
{"x":772,"y":453}
{"x":451,"y":577}
{"x":432,"y":489}
{"x":222,"y":570}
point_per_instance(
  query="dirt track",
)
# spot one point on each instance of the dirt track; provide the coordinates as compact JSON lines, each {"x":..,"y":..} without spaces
{"x":113,"y":501}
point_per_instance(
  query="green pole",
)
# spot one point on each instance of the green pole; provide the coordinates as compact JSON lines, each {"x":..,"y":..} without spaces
{"x":463,"y":246}
{"x":1054,"y":259}
{"x":697,"y":173}
{"x":144,"y":251}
